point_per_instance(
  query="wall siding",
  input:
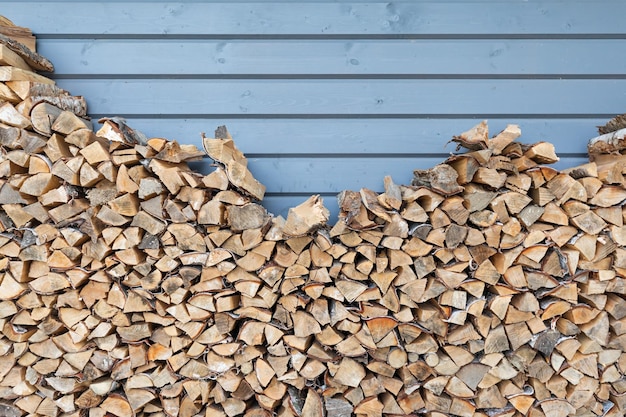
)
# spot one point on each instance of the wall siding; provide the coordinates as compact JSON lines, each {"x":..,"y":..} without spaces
{"x":325,"y":96}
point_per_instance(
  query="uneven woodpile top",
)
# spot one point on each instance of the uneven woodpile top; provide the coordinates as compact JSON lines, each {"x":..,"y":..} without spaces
{"x":132,"y":286}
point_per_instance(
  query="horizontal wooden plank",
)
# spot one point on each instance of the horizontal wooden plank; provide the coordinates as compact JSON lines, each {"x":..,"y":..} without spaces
{"x":349,"y":97}
{"x":334,"y":174}
{"x":279,"y":205}
{"x":329,"y":176}
{"x":258,"y":137}
{"x":433,"y":57}
{"x":318,"y":18}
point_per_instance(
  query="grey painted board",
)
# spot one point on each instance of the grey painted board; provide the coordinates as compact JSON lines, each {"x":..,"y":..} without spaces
{"x":403,"y":57}
{"x":334,"y":174}
{"x":350,"y":97}
{"x":284,"y":173}
{"x":382,"y":137}
{"x":403,"y":18}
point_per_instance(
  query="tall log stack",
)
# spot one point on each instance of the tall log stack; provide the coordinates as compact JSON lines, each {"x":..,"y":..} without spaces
{"x":131,"y":285}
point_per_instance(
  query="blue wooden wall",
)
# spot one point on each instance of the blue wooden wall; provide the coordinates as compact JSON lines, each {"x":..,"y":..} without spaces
{"x":326,"y":96}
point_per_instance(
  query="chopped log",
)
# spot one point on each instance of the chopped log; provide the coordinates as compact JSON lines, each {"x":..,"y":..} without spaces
{"x":67,"y":122}
{"x":607,"y":143}
{"x":475,"y":138}
{"x":28,"y":89}
{"x":247,"y":217}
{"x":7,"y":94}
{"x":608,"y":196}
{"x":8,"y":73}
{"x":26,"y":52}
{"x":490,"y":177}
{"x":503,"y":139}
{"x":441,"y":178}
{"x":117,"y":405}
{"x":313,"y":406}
{"x":76,"y":105}
{"x":613,"y":125}
{"x":12,"y":59}
{"x":225,"y":152}
{"x":43,"y":116}
{"x":115,"y":129}
{"x":17,"y":33}
{"x":10,"y":116}
{"x":542,"y":153}
{"x":349,"y":373}
{"x":465,"y":167}
{"x":306,"y":218}
{"x":173,"y":152}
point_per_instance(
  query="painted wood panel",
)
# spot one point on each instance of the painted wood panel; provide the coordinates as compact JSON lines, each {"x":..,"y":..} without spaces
{"x":373,"y":97}
{"x":333,"y":174}
{"x":349,"y":58}
{"x":403,"y":18}
{"x":365,"y":136}
{"x":330,"y":95}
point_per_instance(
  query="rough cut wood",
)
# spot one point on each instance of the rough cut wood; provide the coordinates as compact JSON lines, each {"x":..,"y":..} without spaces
{"x":17,"y":33}
{"x":307,"y":217}
{"x":223,"y":150}
{"x":115,"y":129}
{"x":616,"y":123}
{"x":441,"y":178}
{"x":27,"y":53}
{"x":10,"y":58}
{"x":9,"y":73}
{"x":20,"y":39}
{"x":608,"y":142}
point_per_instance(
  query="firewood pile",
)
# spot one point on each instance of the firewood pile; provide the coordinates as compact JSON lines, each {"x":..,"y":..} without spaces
{"x":131,"y":285}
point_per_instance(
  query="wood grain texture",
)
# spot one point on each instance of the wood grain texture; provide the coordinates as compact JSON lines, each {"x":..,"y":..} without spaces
{"x":349,"y":97}
{"x":401,"y":57}
{"x":320,"y":18}
{"x":358,"y":136}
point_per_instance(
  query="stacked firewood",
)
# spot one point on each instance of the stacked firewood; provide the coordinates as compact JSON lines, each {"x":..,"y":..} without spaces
{"x":512,"y":272}
{"x":131,"y":285}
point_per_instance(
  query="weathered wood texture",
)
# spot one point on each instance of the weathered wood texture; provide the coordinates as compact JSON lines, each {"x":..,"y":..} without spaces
{"x":318,"y":80}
